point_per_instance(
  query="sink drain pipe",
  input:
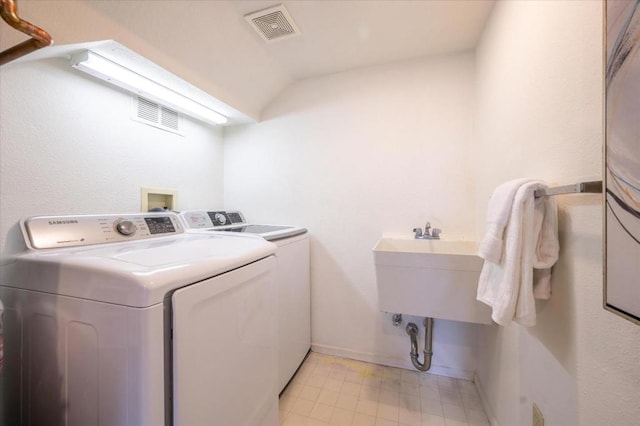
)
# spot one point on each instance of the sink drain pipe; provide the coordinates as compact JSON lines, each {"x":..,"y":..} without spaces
{"x":412,"y":331}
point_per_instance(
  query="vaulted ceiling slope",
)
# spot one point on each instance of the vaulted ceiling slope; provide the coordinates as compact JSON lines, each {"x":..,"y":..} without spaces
{"x":210,"y":44}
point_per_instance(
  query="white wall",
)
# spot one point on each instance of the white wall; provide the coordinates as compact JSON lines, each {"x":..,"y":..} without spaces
{"x":353,"y":155}
{"x":176,"y":35}
{"x":539,"y":114}
{"x":69,"y":146}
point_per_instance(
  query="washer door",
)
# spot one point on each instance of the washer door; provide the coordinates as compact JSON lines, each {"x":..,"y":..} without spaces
{"x":224,"y":348}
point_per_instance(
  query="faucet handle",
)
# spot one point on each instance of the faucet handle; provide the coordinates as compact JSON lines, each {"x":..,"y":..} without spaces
{"x":435,"y":233}
{"x":418,"y":232}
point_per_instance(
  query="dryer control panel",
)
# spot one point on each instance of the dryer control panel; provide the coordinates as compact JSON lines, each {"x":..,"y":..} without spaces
{"x":44,"y":232}
{"x":202,"y":219}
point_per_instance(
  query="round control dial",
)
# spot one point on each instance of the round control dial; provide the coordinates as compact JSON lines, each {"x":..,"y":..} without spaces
{"x":220,"y":218}
{"x":126,"y":228}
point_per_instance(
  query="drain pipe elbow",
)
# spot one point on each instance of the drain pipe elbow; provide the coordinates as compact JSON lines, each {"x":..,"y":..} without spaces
{"x":412,"y":331}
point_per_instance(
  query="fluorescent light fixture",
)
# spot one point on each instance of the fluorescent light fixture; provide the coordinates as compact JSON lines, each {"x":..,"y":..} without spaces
{"x":121,"y":76}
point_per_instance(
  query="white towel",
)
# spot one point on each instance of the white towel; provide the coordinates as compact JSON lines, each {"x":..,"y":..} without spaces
{"x":547,"y":248}
{"x":498,"y":213}
{"x":530,"y":240}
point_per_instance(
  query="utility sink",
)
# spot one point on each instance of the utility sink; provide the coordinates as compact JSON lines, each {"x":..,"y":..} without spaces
{"x":429,"y":278}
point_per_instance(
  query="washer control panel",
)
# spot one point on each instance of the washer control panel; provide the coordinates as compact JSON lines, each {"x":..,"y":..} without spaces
{"x":43,"y":232}
{"x":202,"y":219}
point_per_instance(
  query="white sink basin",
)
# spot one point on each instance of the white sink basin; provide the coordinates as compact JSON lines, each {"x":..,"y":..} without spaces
{"x":430,"y":278}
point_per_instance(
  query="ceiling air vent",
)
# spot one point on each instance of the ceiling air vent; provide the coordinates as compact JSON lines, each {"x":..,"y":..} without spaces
{"x":273,"y":23}
{"x":156,"y":115}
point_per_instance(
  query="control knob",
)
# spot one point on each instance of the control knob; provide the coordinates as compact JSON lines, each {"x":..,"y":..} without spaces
{"x":220,"y":218}
{"x":126,"y":228}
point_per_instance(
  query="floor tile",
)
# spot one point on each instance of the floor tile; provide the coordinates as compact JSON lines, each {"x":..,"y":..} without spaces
{"x":449,"y":422}
{"x":429,"y":392}
{"x":389,"y":397}
{"x":294,"y":419}
{"x":346,"y":401}
{"x":354,"y":377}
{"x":370,"y":393}
{"x":309,"y":393}
{"x":333,"y":391}
{"x":430,"y":420}
{"x":432,"y":406}
{"x":314,"y":422}
{"x":322,"y":412}
{"x":412,"y":377}
{"x":328,"y":397}
{"x":342,"y":417}
{"x":302,"y":407}
{"x":388,"y":411}
{"x":333,"y":384}
{"x":367,"y":407}
{"x":453,"y":412}
{"x":317,"y":380}
{"x":361,"y":419}
{"x":410,"y":417}
{"x":351,"y":388}
{"x":477,"y":418}
{"x":410,"y":388}
{"x":450,"y":398}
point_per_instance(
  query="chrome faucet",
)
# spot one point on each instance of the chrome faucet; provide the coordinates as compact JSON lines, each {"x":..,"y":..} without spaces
{"x":429,"y":234}
{"x":435,"y":234}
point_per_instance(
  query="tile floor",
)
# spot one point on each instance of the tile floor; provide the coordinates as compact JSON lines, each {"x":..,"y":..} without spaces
{"x":329,"y":390}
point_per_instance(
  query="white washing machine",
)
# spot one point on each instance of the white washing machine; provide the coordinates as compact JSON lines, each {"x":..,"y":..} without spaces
{"x":128,"y":320}
{"x":292,"y":280}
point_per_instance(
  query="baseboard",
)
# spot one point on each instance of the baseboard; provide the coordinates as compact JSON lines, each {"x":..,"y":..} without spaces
{"x":485,"y":402}
{"x":439,"y":370}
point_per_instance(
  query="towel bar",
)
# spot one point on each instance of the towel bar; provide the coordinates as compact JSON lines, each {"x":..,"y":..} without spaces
{"x":593,"y":187}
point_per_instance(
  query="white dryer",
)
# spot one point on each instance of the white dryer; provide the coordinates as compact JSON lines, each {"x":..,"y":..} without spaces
{"x":128,"y":320}
{"x":292,"y":280}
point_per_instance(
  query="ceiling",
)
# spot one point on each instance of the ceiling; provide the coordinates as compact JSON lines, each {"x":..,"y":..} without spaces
{"x":341,"y":35}
{"x":211,"y":45}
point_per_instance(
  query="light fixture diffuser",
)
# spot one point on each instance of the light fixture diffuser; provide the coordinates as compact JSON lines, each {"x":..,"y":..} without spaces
{"x":132,"y":81}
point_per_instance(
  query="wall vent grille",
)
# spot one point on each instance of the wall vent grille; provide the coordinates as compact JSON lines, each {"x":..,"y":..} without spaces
{"x":169,"y":118}
{"x":273,"y":23}
{"x":156,"y":115}
{"x":148,"y":110}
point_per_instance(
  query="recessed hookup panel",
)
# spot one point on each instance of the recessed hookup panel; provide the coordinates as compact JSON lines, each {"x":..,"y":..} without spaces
{"x":158,"y":198}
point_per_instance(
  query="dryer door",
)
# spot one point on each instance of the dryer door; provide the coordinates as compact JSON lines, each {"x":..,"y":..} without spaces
{"x":224,"y":349}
